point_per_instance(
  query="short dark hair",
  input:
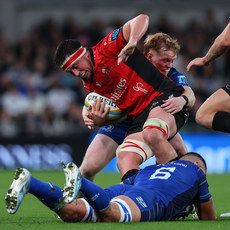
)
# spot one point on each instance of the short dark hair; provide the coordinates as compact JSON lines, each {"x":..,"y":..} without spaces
{"x":65,"y":48}
{"x":195,"y":155}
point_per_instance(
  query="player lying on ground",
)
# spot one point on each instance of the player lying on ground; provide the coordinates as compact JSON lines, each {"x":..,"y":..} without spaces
{"x":155,"y":193}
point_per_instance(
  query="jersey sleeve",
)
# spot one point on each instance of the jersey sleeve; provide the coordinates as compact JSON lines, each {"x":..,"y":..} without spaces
{"x":177,"y":77}
{"x":203,"y":191}
{"x":130,"y":180}
{"x":112,"y":44}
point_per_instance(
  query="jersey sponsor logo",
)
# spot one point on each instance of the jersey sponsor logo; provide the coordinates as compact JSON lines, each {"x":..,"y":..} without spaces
{"x":115,"y":34}
{"x":141,"y":202}
{"x":107,"y":71}
{"x":139,"y":87}
{"x":182,"y":79}
{"x":120,"y":89}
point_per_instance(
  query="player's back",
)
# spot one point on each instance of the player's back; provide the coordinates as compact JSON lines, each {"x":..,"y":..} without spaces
{"x":171,"y":180}
{"x":175,"y":184}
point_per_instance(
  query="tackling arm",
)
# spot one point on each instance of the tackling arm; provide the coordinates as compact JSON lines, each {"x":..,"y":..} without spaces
{"x":188,"y":92}
{"x":176,"y":104}
{"x":205,"y":211}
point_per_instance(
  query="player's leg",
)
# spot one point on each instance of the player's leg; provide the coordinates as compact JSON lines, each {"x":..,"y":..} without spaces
{"x":48,"y":194}
{"x":178,"y":144}
{"x":99,"y":153}
{"x":75,"y":183}
{"x":131,"y":153}
{"x":77,"y":211}
{"x":160,"y":126}
{"x":23,"y":183}
{"x":215,"y":111}
{"x":122,"y":209}
{"x":98,"y":198}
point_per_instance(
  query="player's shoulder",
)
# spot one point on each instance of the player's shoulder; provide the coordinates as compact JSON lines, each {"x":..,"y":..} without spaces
{"x":111,"y":44}
{"x":177,"y":77}
{"x":174,"y":72}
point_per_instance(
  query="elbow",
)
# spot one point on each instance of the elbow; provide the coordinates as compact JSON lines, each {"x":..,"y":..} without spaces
{"x":144,"y":18}
{"x":226,"y":43}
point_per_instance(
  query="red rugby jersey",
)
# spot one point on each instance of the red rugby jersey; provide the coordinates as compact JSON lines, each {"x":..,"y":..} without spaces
{"x":131,"y":85}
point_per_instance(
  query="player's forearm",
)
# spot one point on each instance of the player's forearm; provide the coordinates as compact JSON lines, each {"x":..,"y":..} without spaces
{"x":220,"y":46}
{"x":206,"y":211}
{"x":135,"y":29}
{"x":188,"y":92}
{"x":215,"y":51}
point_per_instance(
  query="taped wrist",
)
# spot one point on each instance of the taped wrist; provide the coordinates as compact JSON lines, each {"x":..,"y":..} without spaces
{"x":186,"y":99}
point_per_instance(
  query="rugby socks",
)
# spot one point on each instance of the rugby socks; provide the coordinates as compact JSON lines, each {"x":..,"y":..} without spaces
{"x":221,"y":122}
{"x":49,"y":194}
{"x":95,"y":195}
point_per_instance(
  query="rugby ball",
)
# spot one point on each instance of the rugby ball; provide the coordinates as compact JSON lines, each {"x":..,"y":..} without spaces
{"x":114,"y":112}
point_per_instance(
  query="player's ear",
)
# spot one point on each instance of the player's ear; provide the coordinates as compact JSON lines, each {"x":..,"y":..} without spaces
{"x":149,"y":56}
{"x":197,"y":163}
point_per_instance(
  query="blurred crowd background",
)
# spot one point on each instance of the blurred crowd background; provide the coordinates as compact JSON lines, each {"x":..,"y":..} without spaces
{"x":37,"y":99}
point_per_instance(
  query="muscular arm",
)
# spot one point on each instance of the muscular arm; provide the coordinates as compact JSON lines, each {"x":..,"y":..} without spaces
{"x":206,"y":211}
{"x":220,"y":46}
{"x":133,"y":31}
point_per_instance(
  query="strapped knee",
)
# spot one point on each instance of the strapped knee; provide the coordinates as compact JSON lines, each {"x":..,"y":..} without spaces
{"x":155,"y":123}
{"x":135,"y":146}
{"x":126,"y":215}
{"x":90,"y":214}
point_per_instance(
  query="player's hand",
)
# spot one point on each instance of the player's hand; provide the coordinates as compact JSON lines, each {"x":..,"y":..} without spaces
{"x":87,"y":119}
{"x":98,"y":112}
{"x":126,"y":52}
{"x":173,"y":105}
{"x":200,"y":61}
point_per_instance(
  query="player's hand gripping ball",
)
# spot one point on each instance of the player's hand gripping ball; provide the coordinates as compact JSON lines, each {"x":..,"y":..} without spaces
{"x":114,"y":112}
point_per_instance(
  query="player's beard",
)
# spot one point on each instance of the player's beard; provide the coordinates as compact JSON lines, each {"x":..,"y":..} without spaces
{"x":88,"y":76}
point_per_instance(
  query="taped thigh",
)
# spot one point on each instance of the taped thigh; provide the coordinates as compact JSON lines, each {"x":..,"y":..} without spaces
{"x":126,"y":215}
{"x":155,"y":123}
{"x":135,"y":146}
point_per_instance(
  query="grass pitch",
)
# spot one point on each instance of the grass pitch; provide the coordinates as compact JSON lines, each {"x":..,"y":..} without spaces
{"x":32,"y":214}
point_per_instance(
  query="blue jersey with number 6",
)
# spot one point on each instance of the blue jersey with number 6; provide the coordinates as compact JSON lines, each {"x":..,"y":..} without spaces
{"x":162,"y":191}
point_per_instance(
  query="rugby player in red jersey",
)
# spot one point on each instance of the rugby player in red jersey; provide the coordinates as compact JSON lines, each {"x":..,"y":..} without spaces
{"x":116,"y":69}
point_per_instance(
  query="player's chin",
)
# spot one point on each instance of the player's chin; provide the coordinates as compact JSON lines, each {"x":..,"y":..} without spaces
{"x":88,"y":76}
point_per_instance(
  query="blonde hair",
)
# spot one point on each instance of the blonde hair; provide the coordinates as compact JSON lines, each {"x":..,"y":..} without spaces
{"x":158,"y":40}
